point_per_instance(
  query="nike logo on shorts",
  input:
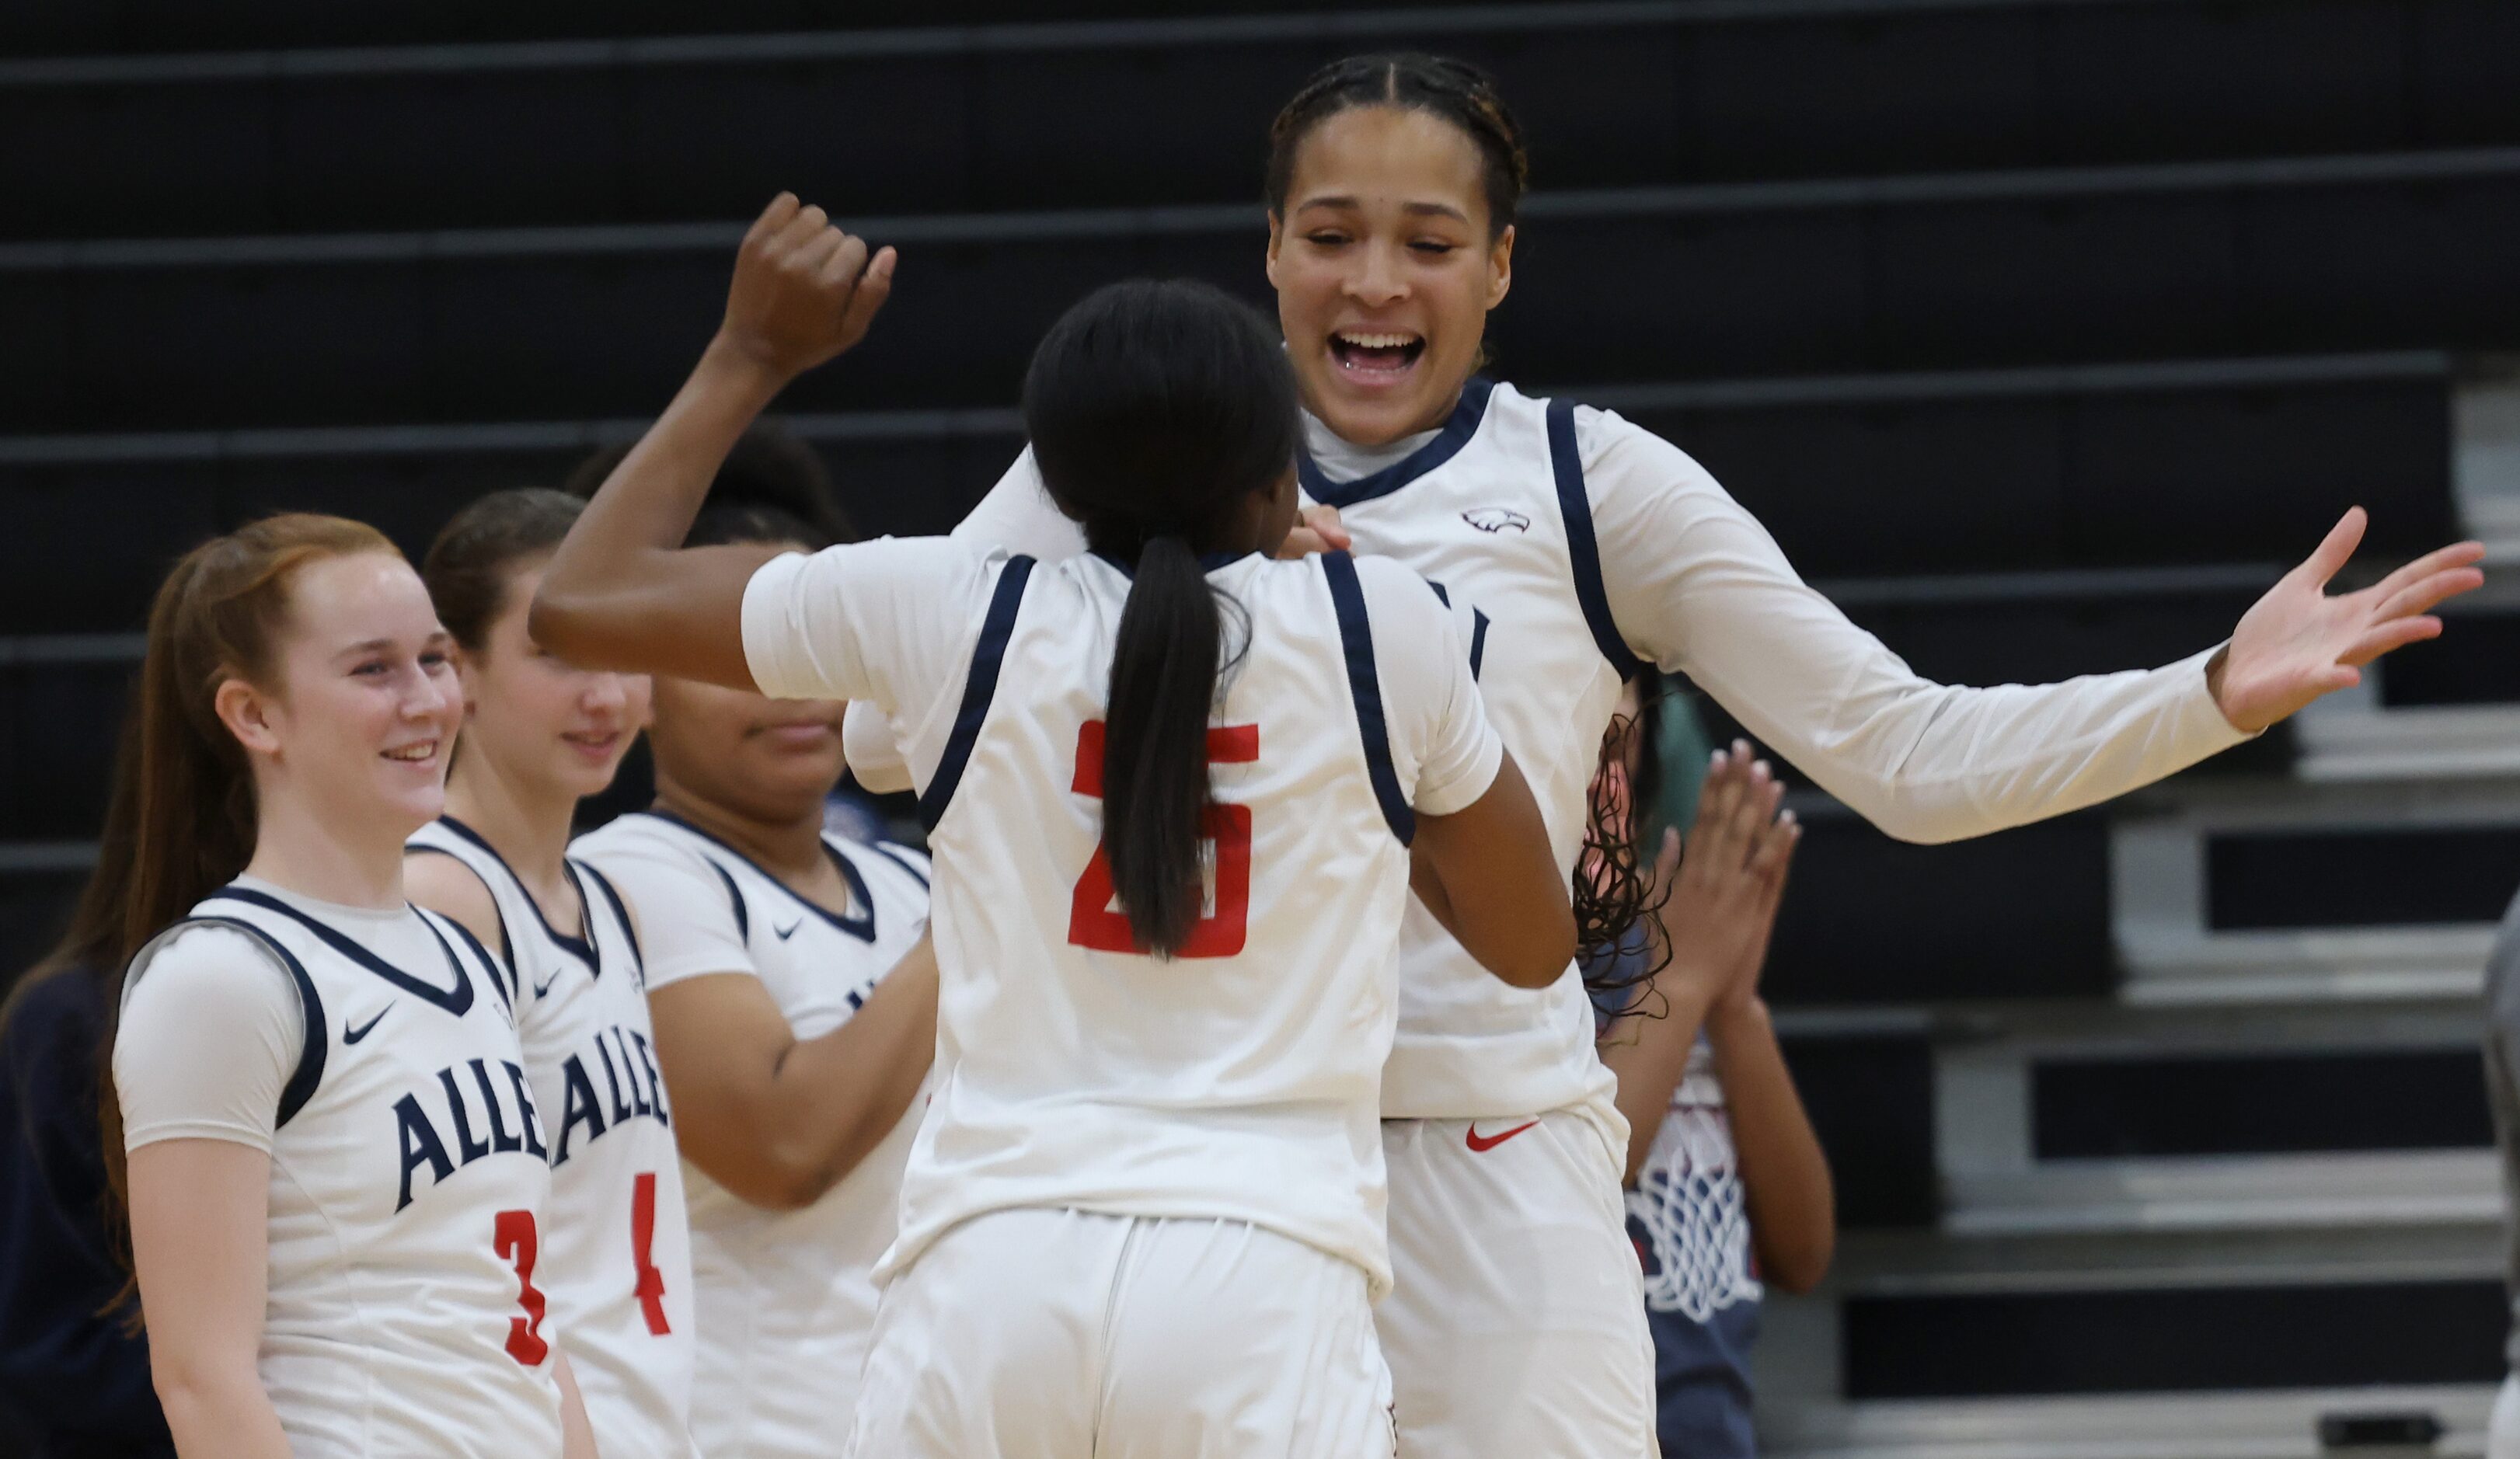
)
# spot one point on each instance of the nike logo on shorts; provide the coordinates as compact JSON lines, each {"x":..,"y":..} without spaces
{"x":1482,"y":1143}
{"x":352,"y":1036}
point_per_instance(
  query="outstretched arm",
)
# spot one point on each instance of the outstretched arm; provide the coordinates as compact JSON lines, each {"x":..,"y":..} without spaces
{"x":622,"y":593}
{"x":1697,"y":583}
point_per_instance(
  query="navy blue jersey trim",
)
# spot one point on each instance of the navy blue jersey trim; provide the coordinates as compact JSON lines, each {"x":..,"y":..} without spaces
{"x":1479,"y":641}
{"x":457,"y":1000}
{"x":586,"y":872}
{"x":982,"y":686}
{"x":1355,"y":639}
{"x":1450,"y":438}
{"x":898,"y":860}
{"x":1583,"y":551}
{"x":578,"y":946}
{"x":314,"y":1042}
{"x":859,"y":925}
{"x":507,"y":944}
{"x":511,"y":988}
{"x":735,"y":901}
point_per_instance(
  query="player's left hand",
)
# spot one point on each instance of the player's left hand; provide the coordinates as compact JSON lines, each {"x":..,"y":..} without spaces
{"x":1317,"y":530}
{"x":2297,"y":643}
{"x":804,"y":290}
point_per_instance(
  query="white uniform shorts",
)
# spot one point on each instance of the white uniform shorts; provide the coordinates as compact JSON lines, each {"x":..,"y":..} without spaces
{"x":1516,"y":1324}
{"x":1052,"y":1334}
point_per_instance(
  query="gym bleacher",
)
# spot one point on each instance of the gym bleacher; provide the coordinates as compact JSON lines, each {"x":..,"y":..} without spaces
{"x":2042,"y":334}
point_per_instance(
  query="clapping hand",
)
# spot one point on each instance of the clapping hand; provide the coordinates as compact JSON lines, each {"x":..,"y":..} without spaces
{"x":1725,"y":881}
{"x":804,"y":290}
{"x":2297,"y":643}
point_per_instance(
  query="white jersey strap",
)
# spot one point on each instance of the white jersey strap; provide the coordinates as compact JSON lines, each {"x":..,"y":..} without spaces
{"x":313,"y":1042}
{"x":1364,"y":686}
{"x":978,"y":689}
{"x":1583,"y":549}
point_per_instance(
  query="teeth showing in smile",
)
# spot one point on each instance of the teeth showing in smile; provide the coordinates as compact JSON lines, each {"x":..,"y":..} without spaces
{"x":417,"y":754}
{"x":1376,"y":341}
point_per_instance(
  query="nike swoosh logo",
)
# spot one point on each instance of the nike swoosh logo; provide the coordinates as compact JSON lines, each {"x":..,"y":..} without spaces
{"x":1477,"y":1141}
{"x":789,"y":930}
{"x":352,"y":1036}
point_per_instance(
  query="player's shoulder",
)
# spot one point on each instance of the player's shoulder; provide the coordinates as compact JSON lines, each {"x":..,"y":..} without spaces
{"x":1394,"y":589}
{"x":1618,"y":454}
{"x":642,"y":841}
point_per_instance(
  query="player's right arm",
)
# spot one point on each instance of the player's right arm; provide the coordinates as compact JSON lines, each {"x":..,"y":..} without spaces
{"x":1480,"y":860}
{"x":210,"y":1035}
{"x":775,"y":1119}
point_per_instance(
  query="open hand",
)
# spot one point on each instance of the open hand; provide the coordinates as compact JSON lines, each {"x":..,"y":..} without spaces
{"x":804,"y":290}
{"x":2297,"y":643}
{"x":1725,"y":881}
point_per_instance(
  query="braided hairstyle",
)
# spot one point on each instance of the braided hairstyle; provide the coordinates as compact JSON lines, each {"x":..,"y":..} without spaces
{"x":1440,"y":86}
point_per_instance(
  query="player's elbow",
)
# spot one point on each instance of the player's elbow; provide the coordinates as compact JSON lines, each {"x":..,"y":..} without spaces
{"x":1799,"y":1263}
{"x":562,"y":622}
{"x":1535,"y":950}
{"x":779,"y":1179}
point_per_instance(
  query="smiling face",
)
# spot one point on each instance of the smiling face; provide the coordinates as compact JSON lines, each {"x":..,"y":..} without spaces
{"x":1385,"y":270}
{"x":362,"y":705}
{"x":539,"y":721}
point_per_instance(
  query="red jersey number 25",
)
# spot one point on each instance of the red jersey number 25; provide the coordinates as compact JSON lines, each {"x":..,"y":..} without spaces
{"x":1094,"y":922}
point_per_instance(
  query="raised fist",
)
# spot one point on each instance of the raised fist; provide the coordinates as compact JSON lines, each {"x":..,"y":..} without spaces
{"x":803,"y":290}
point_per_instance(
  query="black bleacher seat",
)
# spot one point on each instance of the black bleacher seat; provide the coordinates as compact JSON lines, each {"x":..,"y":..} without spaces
{"x":57,"y":733}
{"x":1030,"y":119}
{"x":2009,"y":480}
{"x":2475,"y":661}
{"x":2381,"y":876}
{"x":2101,"y":480}
{"x":2174,"y":1340}
{"x":2284,"y":1102}
{"x":1857,"y":286}
{"x":2020,"y":914}
{"x":1870,"y":1098}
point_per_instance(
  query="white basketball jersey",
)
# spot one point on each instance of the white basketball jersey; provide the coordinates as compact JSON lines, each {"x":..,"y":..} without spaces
{"x":405,"y":1313}
{"x":785,"y":1299}
{"x":1497,"y":516}
{"x":616,"y":1242}
{"x":1239,"y":1079}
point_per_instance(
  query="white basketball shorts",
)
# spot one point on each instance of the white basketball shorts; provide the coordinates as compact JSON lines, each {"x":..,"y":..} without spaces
{"x":1050,"y":1334}
{"x":1516,"y":1324}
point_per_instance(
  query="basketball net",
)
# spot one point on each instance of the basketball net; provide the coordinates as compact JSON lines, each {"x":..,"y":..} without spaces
{"x":1690,"y":1205}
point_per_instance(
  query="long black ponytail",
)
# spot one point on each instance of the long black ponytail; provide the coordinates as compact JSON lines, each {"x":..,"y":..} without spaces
{"x":1158,"y":413}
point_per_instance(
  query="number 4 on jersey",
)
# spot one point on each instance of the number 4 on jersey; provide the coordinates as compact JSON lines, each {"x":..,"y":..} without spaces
{"x":1094,"y":922}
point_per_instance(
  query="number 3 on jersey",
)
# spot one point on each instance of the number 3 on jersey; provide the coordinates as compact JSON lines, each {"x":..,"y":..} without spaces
{"x":1092,"y":921}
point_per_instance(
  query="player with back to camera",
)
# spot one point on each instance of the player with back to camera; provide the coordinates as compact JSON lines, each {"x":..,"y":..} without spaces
{"x":1175,"y":789}
{"x":1586,"y":547}
{"x":335,"y":1179}
{"x":538,"y":736}
{"x":794,"y":996}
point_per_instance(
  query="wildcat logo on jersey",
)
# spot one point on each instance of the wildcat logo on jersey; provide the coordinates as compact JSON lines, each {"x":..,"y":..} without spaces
{"x":509,"y":1124}
{"x":1497,"y":519}
{"x":635,"y":1078}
